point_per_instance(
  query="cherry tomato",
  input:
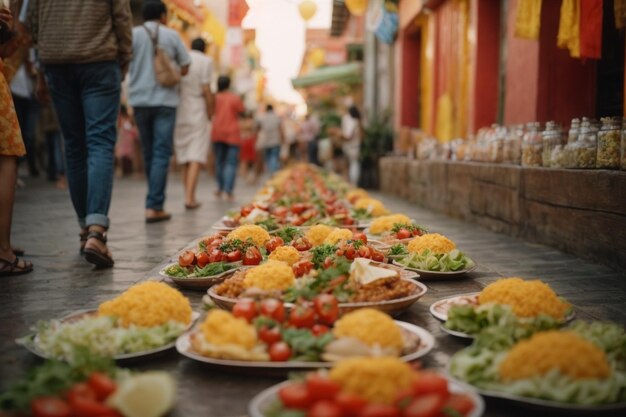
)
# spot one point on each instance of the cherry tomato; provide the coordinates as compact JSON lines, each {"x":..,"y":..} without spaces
{"x":81,"y":390}
{"x":379,"y":410}
{"x":348,"y":221}
{"x":280,"y":352}
{"x":327,"y":308}
{"x":202,"y":259}
{"x":427,"y":405}
{"x":298,"y":208}
{"x":280,"y":212}
{"x":403,"y":234}
{"x":84,"y":407}
{"x":319,"y":329}
{"x":208,"y":241}
{"x":50,"y":407}
{"x":302,"y":267}
{"x":234,"y":256}
{"x":187,"y":258}
{"x":302,"y":317}
{"x":360,"y":236}
{"x":302,"y":244}
{"x":295,"y":396}
{"x":215,"y":244}
{"x":216,"y":255}
{"x":325,"y":408}
{"x":252,"y":256}
{"x":377,"y":256}
{"x":430,"y":383}
{"x":245,"y":210}
{"x":274,"y":243}
{"x":416,"y":232}
{"x":274,"y":309}
{"x":350,"y":252}
{"x":102,"y":384}
{"x":270,"y":335}
{"x":404,"y":398}
{"x":297,"y":221}
{"x":322,"y":388}
{"x":460,"y":402}
{"x":350,"y":404}
{"x":365,"y":252}
{"x":245,"y":309}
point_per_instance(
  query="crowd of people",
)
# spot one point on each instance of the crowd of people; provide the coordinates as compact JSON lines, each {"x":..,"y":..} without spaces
{"x":66,"y":87}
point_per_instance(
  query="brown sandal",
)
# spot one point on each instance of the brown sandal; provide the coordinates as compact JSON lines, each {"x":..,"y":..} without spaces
{"x":10,"y":268}
{"x":83,"y":241}
{"x":94,"y":256}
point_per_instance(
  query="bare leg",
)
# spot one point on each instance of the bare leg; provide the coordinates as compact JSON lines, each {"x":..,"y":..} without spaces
{"x":191,"y":182}
{"x":8,"y":176}
{"x":185,"y":172}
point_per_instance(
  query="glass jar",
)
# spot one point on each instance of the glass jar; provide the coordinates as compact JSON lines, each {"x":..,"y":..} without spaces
{"x":551,"y":137}
{"x":532,"y":146}
{"x":608,"y":156}
{"x":584,"y":150}
{"x":574,"y":130}
{"x":623,"y":149}
{"x":496,"y":144}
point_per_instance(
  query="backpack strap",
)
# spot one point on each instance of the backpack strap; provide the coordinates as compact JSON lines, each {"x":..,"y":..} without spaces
{"x":154,"y":39}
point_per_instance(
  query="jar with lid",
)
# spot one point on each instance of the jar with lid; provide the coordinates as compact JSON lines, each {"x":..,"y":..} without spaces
{"x":574,"y":130}
{"x":584,"y":149}
{"x":608,"y":156}
{"x":623,"y":150}
{"x":532,"y":146}
{"x":551,"y":137}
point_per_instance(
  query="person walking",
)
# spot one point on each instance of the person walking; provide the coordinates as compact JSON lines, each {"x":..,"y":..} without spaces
{"x":11,"y":147}
{"x":352,"y":134}
{"x":226,"y":137}
{"x":191,"y":135}
{"x":85,"y":48}
{"x":270,"y":138}
{"x":155,"y":104}
{"x":309,"y":130}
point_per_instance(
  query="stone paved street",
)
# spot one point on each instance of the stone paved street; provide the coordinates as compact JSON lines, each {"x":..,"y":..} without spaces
{"x":62,"y":282}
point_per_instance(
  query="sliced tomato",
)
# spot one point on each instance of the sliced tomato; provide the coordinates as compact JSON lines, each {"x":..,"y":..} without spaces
{"x":427,"y":405}
{"x":322,"y":388}
{"x":245,"y":309}
{"x":252,"y":256}
{"x":202,"y":259}
{"x":298,"y":208}
{"x":83,"y":407}
{"x":81,"y":390}
{"x":234,"y":256}
{"x":327,"y":308}
{"x":102,"y":384}
{"x":216,"y":255}
{"x":403,"y":234}
{"x":270,"y":335}
{"x":295,"y":396}
{"x":274,"y":243}
{"x":461,"y":403}
{"x":280,"y":352}
{"x":377,"y":256}
{"x":360,"y":236}
{"x":245,"y":210}
{"x":187,"y":258}
{"x":430,"y":383}
{"x":319,"y":329}
{"x":274,"y":309}
{"x":50,"y":407}
{"x":302,"y":317}
{"x":350,"y":253}
{"x":325,"y":408}
{"x":302,"y":244}
{"x":350,"y":404}
{"x":365,"y":252}
{"x":379,"y":410}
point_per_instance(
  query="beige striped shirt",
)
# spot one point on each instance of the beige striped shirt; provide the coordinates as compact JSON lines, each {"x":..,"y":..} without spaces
{"x":81,"y":31}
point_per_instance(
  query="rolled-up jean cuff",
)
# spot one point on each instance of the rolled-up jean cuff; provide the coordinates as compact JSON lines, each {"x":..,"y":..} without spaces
{"x":97,"y":220}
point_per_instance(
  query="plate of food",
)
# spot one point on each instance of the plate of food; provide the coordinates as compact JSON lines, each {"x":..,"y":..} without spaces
{"x":434,"y":256}
{"x":577,"y":369}
{"x":394,"y":228}
{"x":368,"y":386}
{"x":530,"y":304}
{"x":357,"y":284}
{"x":265,"y":335}
{"x":195,"y":277}
{"x":144,"y":320}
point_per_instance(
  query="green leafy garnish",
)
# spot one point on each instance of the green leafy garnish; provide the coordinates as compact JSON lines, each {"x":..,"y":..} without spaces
{"x":289,"y":233}
{"x":320,"y":253}
{"x":215,"y":268}
{"x":177,"y":271}
{"x":361,"y":214}
{"x":398,"y":249}
{"x":305,"y":345}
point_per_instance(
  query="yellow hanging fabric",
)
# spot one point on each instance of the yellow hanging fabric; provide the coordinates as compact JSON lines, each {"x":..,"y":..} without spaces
{"x":619,"y":6}
{"x":528,"y":19}
{"x":569,"y":27}
{"x":444,"y":125}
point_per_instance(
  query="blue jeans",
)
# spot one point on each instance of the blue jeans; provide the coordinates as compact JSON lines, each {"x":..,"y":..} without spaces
{"x":87,"y":100}
{"x":226,"y":162}
{"x":272,"y":158}
{"x":156,"y":129}
{"x":56,"y":164}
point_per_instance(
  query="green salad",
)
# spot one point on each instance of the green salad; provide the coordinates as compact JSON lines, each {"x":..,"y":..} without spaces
{"x":479,"y":365}
{"x":209,"y":270}
{"x":100,"y":336}
{"x":472,"y":319}
{"x":452,"y":261}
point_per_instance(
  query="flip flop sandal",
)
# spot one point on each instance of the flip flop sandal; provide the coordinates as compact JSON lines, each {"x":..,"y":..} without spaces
{"x":94,"y":256}
{"x":8,"y":268}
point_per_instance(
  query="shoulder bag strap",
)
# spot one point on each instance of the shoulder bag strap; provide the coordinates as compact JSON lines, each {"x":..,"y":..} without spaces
{"x":154,"y":39}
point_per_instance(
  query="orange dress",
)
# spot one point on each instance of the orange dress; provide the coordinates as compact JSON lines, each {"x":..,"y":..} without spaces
{"x":11,"y":143}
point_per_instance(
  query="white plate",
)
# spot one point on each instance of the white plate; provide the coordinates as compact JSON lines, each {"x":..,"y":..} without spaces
{"x":437,"y":274}
{"x":200,"y":283}
{"x":265,"y":398}
{"x":29,"y":341}
{"x":183,"y":346}
{"x":462,"y":335}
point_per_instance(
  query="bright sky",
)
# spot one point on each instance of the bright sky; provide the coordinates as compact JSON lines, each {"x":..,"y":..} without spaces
{"x":280,"y":36}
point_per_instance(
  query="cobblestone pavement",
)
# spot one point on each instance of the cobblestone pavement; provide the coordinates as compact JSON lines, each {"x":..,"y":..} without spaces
{"x":62,"y":282}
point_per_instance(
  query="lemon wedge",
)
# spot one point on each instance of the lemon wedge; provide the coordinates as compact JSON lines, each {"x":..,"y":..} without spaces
{"x":150,"y":394}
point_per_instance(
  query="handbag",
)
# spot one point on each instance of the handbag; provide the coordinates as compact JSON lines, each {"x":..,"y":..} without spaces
{"x":166,"y":72}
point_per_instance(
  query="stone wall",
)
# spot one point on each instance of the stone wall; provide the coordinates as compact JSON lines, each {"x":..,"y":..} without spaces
{"x":579,"y":211}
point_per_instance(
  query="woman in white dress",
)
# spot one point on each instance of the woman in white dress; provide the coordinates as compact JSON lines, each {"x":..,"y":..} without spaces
{"x":191,"y":135}
{"x":352,"y":132}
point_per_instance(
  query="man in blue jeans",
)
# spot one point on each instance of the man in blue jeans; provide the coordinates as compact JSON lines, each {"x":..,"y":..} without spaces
{"x":155,"y":105}
{"x":84,"y":63}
